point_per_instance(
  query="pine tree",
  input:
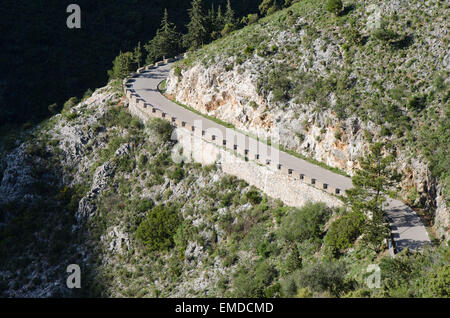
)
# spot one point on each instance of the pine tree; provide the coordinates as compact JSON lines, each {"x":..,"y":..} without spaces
{"x":167,"y":37}
{"x":294,"y":260}
{"x":152,"y":51}
{"x":137,"y":55}
{"x":123,"y":65}
{"x":229,"y":15}
{"x":370,"y":187}
{"x":229,"y":20}
{"x":165,"y":43}
{"x":197,"y":32}
{"x":220,"y":22}
{"x":211,"y":22}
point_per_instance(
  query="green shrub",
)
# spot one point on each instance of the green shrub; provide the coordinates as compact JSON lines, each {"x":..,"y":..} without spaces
{"x":305,"y":223}
{"x":161,"y":127}
{"x":159,"y":227}
{"x":438,"y":283}
{"x":253,"y":196}
{"x":177,"y":71}
{"x":335,"y":6}
{"x":324,"y":277}
{"x":384,"y":34}
{"x":253,"y":282}
{"x":145,"y":205}
{"x":249,"y":50}
{"x":53,"y":108}
{"x":143,"y":159}
{"x":250,"y":19}
{"x":176,"y":174}
{"x":344,"y":231}
{"x":417,"y":103}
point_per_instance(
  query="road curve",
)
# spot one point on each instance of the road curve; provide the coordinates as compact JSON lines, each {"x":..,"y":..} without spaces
{"x":407,"y":228}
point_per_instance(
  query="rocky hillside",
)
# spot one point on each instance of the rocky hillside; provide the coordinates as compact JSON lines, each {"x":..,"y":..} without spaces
{"x":95,"y":187}
{"x":332,"y":85}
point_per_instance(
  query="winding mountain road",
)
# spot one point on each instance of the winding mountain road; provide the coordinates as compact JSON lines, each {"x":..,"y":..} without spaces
{"x":407,"y":228}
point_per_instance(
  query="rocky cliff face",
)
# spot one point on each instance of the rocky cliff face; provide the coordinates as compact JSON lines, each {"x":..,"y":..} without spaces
{"x":278,"y":78}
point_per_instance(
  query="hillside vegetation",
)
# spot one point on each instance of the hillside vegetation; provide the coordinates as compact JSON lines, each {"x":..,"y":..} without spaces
{"x":95,"y":187}
{"x":335,"y":82}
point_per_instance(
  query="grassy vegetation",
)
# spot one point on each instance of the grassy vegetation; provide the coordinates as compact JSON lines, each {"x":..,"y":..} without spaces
{"x":176,"y":224}
{"x":403,"y":91}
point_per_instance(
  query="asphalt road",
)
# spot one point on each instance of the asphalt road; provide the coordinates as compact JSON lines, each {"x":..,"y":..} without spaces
{"x":407,"y":228}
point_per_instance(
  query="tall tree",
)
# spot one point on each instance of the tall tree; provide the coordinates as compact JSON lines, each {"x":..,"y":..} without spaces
{"x":165,"y":43}
{"x":219,"y":24}
{"x":123,"y":65}
{"x":152,"y":51}
{"x":219,"y":18}
{"x":167,"y":37}
{"x":370,"y":187}
{"x":137,"y":55}
{"x":197,"y":32}
{"x":211,"y":22}
{"x":229,"y":14}
{"x":229,"y":20}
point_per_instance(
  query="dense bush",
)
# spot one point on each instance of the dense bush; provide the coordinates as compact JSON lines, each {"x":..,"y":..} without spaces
{"x":344,"y":231}
{"x":253,"y":196}
{"x":161,"y":127}
{"x":324,"y":277}
{"x":416,"y":275}
{"x":305,"y":223}
{"x":159,"y":227}
{"x":438,"y":283}
{"x":176,"y":174}
{"x":145,"y":205}
{"x":335,"y":6}
{"x":253,"y":282}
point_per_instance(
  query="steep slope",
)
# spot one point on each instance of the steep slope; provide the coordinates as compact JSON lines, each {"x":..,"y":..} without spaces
{"x":333,"y":85}
{"x":85,"y":187}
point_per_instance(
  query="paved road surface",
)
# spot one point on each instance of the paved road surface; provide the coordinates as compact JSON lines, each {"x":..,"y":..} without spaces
{"x":407,"y":228}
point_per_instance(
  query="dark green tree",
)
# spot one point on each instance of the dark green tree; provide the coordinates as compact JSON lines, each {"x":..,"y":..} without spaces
{"x":335,"y":6}
{"x":294,"y":260}
{"x":220,"y":20}
{"x":167,"y":37}
{"x":159,"y":227}
{"x":152,"y":51}
{"x":137,"y":55}
{"x":165,"y":43}
{"x":229,"y":14}
{"x":123,"y":65}
{"x":197,"y":31}
{"x":370,"y":187}
{"x":211,"y":24}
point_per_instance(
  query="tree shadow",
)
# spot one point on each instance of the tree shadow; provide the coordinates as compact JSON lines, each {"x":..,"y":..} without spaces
{"x":403,"y":43}
{"x":347,"y":9}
